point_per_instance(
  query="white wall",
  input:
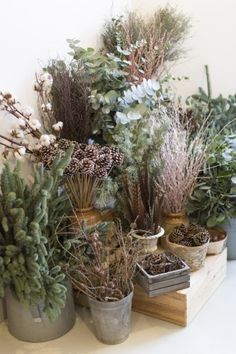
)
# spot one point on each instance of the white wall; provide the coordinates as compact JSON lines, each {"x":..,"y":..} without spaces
{"x":32,"y":31}
{"x":212,"y":42}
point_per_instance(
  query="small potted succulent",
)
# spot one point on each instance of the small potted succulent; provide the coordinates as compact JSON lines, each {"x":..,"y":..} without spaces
{"x":142,"y":209}
{"x":189,"y":243}
{"x":160,"y":273}
{"x":102,"y":266}
{"x":39,"y":300}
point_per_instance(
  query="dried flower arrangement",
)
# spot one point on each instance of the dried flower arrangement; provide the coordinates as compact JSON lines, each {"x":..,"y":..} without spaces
{"x":182,"y":156}
{"x":102,"y":266}
{"x":146,"y":46}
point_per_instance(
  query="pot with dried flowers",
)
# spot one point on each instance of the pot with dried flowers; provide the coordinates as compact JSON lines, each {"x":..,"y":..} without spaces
{"x":142,"y":207}
{"x":182,"y":155}
{"x":189,"y":243}
{"x":102,"y":268}
{"x":92,"y":163}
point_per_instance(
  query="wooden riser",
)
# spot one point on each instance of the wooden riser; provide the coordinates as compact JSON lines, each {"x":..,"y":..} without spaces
{"x":181,"y":307}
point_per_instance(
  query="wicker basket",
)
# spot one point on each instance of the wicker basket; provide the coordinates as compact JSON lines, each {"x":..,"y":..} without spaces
{"x":193,"y":256}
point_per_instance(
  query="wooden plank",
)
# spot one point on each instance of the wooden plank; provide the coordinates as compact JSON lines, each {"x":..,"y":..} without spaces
{"x":182,"y":306}
{"x":142,"y":281}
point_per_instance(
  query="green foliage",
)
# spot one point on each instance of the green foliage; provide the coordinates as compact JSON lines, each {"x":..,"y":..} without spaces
{"x":221,"y":110}
{"x":214,"y":198}
{"x":29,"y":215}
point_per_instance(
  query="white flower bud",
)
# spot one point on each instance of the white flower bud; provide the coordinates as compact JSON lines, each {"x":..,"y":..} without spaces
{"x":52,"y":138}
{"x":45,"y":140}
{"x":21,"y":123}
{"x":34,"y":123}
{"x":27,"y":111}
{"x":58,"y":126}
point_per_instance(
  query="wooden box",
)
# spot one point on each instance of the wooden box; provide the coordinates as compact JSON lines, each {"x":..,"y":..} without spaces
{"x":182,"y":306}
{"x":163,"y":283}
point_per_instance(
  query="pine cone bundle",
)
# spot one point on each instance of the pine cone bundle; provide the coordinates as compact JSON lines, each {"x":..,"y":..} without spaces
{"x":191,"y":236}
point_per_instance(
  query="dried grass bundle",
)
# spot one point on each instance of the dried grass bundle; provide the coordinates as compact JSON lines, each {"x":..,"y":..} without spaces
{"x":183,"y":155}
{"x":70,"y":100}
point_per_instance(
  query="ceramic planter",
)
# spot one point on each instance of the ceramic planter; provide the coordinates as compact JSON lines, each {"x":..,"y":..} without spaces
{"x":32,"y":324}
{"x":230,"y":229}
{"x":193,"y":256}
{"x":112,"y":319}
{"x":155,"y":285}
{"x":149,"y":242}
{"x":218,"y":240}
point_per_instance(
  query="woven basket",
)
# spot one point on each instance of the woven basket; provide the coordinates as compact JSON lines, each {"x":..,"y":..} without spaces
{"x":193,"y":256}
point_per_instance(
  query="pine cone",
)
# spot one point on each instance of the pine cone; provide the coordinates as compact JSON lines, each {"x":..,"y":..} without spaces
{"x":72,"y":168}
{"x":63,"y":144}
{"x":79,"y":154}
{"x":104,"y":161}
{"x":47,"y":155}
{"x":100,"y":172}
{"x":86,"y":166}
{"x":118,"y":159}
{"x":105,"y":150}
{"x":91,"y":152}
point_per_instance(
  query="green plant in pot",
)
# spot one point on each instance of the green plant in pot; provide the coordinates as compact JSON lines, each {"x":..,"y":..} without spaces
{"x":141,"y":206}
{"x":102,"y":267}
{"x":37,"y":294}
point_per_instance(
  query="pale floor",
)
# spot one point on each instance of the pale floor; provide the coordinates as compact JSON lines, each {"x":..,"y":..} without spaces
{"x":213,"y":331}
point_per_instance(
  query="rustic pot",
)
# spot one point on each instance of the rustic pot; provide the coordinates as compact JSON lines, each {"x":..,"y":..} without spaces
{"x":216,"y":247}
{"x":32,"y":324}
{"x":112,"y":319}
{"x":172,"y":220}
{"x":149,"y":242}
{"x":230,"y":229}
{"x":193,"y":256}
{"x":3,"y":312}
{"x":90,"y":217}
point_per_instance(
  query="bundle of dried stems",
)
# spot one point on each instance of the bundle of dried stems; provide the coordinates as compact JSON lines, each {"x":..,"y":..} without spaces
{"x":70,"y":100}
{"x":102,"y":269}
{"x":183,"y":155}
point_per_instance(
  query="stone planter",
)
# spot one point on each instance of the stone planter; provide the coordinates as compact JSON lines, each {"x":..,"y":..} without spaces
{"x":230,"y":229}
{"x":112,"y":319}
{"x":33,"y":325}
{"x":148,"y":241}
{"x":218,"y":240}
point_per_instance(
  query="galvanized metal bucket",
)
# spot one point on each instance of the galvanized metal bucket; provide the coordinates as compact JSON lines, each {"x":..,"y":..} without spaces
{"x":112,"y":319}
{"x":33,"y":325}
{"x":3,"y":312}
{"x":230,"y":229}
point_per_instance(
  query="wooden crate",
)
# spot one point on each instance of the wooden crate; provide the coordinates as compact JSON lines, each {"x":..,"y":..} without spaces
{"x":181,"y":307}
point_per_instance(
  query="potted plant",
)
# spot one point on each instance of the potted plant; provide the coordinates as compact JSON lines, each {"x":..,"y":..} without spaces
{"x":182,"y":156}
{"x":160,"y":273}
{"x":102,"y":267}
{"x":189,"y":243}
{"x":38,"y":298}
{"x":213,"y":201}
{"x":141,"y":205}
{"x":218,"y":240}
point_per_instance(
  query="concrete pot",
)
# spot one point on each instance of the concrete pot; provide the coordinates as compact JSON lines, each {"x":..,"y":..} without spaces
{"x":230,"y":229}
{"x":149,"y":242}
{"x":112,"y":319}
{"x":32,"y":324}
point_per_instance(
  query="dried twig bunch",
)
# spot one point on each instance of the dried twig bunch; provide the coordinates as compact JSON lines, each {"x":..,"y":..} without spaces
{"x":193,"y":235}
{"x":147,"y":45}
{"x":160,"y":263}
{"x":102,"y":269}
{"x":69,"y":98}
{"x":182,"y":155}
{"x":142,"y":202}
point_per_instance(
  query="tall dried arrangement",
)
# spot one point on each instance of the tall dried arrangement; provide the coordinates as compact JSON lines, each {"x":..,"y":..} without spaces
{"x":100,"y":266}
{"x":94,"y":165}
{"x":182,"y":155}
{"x":142,"y":202}
{"x":147,"y":45}
{"x":70,"y":99}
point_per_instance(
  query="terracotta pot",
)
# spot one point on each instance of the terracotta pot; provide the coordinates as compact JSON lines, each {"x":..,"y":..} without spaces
{"x":218,"y":240}
{"x":89,"y":216}
{"x":149,"y":242}
{"x":172,"y":220}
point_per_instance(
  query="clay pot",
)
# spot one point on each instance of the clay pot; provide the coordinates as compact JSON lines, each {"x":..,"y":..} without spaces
{"x":90,"y":217}
{"x":218,"y":240}
{"x":172,"y":220}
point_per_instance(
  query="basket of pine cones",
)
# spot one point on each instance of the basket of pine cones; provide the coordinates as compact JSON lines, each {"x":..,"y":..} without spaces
{"x":190,"y":243}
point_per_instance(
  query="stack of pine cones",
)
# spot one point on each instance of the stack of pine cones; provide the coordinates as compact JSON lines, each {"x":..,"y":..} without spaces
{"x":160,"y":263}
{"x":92,"y":160}
{"x":191,"y":236}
